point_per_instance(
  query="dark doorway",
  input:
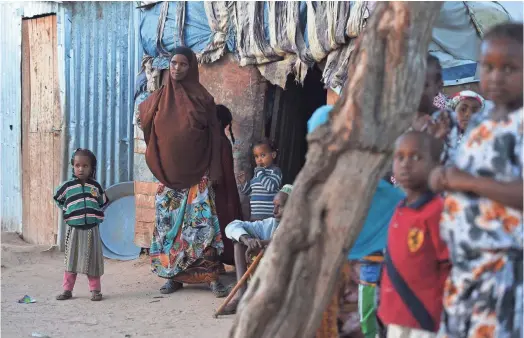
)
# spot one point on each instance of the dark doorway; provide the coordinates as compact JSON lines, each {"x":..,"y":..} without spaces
{"x":287,"y":113}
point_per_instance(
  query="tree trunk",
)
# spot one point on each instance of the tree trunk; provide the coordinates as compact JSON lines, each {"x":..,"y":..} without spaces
{"x":346,"y":158}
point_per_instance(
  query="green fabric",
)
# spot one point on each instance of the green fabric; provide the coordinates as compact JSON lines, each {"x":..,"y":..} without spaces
{"x":367,"y":310}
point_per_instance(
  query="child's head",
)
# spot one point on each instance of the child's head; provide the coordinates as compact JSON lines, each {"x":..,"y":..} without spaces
{"x":84,"y":164}
{"x":416,"y":154}
{"x":280,"y":201}
{"x":432,"y":85}
{"x":226,"y":118}
{"x":466,"y":103}
{"x":265,"y":153}
{"x":501,"y":65}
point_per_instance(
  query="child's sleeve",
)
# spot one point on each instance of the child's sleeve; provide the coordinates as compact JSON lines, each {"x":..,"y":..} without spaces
{"x":246,"y":188}
{"x":271,"y":179}
{"x":103,"y":201}
{"x":60,"y":195}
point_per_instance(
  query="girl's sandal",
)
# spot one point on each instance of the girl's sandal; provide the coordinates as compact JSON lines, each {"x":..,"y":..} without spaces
{"x":96,"y":296}
{"x":65,"y":295}
{"x":170,"y":287}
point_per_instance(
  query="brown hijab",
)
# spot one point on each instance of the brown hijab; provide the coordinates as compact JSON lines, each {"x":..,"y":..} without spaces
{"x":181,"y":130}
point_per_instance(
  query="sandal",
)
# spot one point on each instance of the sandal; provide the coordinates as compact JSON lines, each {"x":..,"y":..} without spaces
{"x":219,"y":290}
{"x":65,"y":295}
{"x":96,"y":296}
{"x":170,"y":287}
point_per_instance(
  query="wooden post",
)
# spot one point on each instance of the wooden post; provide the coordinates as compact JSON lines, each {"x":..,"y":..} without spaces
{"x":294,"y":283}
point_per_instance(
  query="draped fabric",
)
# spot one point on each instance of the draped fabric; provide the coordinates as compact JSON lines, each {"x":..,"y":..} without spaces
{"x":181,"y":131}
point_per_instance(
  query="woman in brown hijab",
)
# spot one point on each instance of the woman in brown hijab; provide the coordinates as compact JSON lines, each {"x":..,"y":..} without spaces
{"x":182,"y":134}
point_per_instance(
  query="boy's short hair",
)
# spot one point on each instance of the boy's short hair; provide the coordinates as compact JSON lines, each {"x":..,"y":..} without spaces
{"x":434,"y":145}
{"x":508,"y":30}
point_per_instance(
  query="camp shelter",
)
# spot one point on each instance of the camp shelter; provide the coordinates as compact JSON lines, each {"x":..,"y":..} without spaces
{"x":274,"y":62}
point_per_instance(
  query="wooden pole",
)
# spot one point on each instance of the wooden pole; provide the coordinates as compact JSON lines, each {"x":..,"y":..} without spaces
{"x":240,"y":283}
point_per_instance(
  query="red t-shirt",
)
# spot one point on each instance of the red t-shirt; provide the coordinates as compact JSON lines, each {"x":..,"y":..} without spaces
{"x":420,"y":256}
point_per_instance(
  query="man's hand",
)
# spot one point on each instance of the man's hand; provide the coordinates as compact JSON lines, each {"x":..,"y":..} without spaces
{"x":251,"y":243}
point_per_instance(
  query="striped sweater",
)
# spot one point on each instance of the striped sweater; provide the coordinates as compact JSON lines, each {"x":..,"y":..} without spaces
{"x":261,"y":190}
{"x":82,"y":204}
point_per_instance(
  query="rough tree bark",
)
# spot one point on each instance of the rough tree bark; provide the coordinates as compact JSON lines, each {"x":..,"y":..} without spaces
{"x":294,"y":282}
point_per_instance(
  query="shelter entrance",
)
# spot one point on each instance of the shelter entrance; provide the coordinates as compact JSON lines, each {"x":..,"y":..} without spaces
{"x":287,"y":113}
{"x":41,"y":129}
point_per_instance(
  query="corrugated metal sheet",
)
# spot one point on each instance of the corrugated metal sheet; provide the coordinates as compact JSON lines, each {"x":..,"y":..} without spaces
{"x":101,"y":64}
{"x":10,"y":107}
{"x":99,"y":56}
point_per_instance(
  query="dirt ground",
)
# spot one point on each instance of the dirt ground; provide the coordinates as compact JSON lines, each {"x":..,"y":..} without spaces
{"x":132,"y":307}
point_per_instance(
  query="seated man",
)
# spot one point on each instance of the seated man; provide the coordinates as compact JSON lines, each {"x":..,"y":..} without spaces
{"x":251,"y":237}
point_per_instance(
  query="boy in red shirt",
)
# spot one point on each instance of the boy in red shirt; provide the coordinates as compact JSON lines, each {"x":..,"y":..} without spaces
{"x":416,"y":263}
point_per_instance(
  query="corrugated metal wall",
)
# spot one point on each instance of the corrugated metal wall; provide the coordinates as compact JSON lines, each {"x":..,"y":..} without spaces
{"x":101,"y":63}
{"x":98,"y":62}
{"x":11,"y":107}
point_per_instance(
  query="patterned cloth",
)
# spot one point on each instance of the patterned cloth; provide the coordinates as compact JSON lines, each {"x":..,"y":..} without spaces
{"x":483,"y":294}
{"x":460,"y":96}
{"x":186,"y":240}
{"x":440,"y":101}
{"x":83,"y":251}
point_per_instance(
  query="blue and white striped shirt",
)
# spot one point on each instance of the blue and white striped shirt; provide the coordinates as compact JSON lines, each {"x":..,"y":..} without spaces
{"x":261,"y":190}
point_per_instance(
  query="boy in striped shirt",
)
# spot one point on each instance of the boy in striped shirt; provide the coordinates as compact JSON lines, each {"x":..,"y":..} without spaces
{"x":265,"y":183}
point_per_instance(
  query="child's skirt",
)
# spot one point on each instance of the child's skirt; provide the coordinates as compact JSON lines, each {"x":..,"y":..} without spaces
{"x":84,"y":252}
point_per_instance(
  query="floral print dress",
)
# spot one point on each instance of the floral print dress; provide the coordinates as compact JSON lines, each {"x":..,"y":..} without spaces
{"x":186,"y":240}
{"x":483,"y":294}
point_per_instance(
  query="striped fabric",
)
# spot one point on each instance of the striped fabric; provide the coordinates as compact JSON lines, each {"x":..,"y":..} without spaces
{"x":261,"y":190}
{"x":82,"y":204}
{"x":83,"y":253}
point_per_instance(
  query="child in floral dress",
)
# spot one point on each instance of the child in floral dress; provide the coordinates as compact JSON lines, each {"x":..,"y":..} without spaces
{"x":482,"y":218}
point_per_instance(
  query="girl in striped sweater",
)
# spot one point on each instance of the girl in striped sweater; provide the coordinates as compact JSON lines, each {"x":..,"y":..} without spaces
{"x":265,"y":183}
{"x":82,"y":200}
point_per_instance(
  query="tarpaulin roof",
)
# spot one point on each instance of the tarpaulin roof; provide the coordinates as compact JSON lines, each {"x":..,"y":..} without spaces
{"x":282,"y":37}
